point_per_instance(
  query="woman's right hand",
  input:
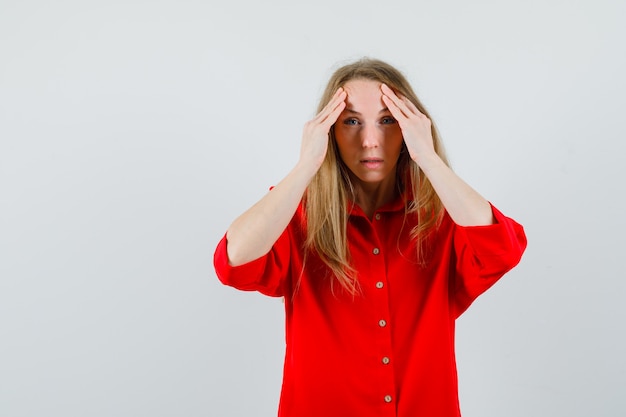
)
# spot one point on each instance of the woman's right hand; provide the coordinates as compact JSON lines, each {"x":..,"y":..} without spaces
{"x":315,"y":136}
{"x":254,"y":232}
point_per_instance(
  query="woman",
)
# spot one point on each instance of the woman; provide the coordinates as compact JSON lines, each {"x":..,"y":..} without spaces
{"x":377,"y":247}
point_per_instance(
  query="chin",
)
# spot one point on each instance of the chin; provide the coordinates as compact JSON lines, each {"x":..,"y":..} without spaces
{"x":371,"y":178}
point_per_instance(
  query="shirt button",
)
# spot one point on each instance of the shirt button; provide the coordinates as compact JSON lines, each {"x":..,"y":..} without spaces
{"x":382,"y":323}
{"x":376,"y":251}
{"x":387,"y":398}
{"x":377,"y":216}
{"x":379,"y":284}
{"x":385,"y":360}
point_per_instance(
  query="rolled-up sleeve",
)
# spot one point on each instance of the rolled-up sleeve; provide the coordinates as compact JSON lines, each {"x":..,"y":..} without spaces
{"x":483,"y":255}
{"x":266,"y":274}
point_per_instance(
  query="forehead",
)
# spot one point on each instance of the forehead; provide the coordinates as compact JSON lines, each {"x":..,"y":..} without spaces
{"x":363,"y":95}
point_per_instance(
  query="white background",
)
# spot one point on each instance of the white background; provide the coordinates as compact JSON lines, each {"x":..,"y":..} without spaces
{"x":133,"y":132}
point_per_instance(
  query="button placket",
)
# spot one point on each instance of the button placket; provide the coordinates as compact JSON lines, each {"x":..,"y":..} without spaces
{"x":377,"y":280}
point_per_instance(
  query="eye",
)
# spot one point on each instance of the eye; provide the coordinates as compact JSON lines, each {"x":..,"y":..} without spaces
{"x":388,"y":120}
{"x":351,"y":122}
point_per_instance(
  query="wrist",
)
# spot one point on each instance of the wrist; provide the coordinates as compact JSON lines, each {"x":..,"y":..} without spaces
{"x":306,"y":169}
{"x":428,"y":160}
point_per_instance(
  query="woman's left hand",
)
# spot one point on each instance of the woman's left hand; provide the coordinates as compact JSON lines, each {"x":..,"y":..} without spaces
{"x":416,"y":127}
{"x":464,"y":205}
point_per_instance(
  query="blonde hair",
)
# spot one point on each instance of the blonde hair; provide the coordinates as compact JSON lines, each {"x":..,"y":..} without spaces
{"x":327,"y":197}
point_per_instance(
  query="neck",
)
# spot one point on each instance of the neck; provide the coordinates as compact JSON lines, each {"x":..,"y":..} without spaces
{"x":372,"y":196}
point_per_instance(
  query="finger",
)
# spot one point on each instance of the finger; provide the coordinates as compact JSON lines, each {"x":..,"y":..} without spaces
{"x":409,"y":104}
{"x":332,"y":117}
{"x":412,"y":106}
{"x":328,"y":112}
{"x":387,"y":91}
{"x":396,"y":100}
{"x":396,"y":112}
{"x":338,"y":97}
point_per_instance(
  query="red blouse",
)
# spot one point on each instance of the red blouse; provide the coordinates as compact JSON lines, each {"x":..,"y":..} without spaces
{"x":388,"y":351}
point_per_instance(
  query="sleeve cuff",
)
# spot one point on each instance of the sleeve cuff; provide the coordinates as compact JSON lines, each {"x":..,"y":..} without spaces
{"x":240,"y":276}
{"x":501,"y":238}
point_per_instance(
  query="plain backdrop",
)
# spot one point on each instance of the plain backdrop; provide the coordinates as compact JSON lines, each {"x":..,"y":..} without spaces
{"x":133,"y":132}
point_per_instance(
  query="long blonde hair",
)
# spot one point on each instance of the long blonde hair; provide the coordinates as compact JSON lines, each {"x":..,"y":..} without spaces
{"x":327,"y":197}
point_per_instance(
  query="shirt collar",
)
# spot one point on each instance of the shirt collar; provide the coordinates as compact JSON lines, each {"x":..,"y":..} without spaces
{"x":397,"y":204}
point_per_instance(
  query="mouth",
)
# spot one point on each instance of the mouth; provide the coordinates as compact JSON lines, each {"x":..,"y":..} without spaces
{"x":371,"y":163}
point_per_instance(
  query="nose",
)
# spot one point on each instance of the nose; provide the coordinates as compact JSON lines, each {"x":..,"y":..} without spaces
{"x":370,"y":136}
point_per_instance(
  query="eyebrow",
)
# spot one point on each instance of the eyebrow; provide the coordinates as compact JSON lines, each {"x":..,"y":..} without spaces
{"x":385,"y":110}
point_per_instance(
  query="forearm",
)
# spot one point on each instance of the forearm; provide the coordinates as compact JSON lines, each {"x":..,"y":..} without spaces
{"x":465,"y":205}
{"x":462,"y":202}
{"x":253,"y":233}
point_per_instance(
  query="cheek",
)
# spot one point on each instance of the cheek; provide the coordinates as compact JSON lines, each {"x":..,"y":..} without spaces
{"x":344,"y":137}
{"x":394,"y":140}
{"x":395,"y":131}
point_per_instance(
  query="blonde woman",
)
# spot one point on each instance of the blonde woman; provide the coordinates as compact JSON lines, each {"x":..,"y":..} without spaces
{"x":377,"y":247}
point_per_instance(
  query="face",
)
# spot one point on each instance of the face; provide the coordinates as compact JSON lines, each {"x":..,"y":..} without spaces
{"x":368,"y":137}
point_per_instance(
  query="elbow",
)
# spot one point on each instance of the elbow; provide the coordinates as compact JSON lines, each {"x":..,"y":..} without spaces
{"x":234,"y":256}
{"x":231,"y":250}
{"x":241,"y":248}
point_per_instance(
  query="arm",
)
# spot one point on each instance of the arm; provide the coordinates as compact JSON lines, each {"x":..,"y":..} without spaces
{"x":464,"y":205}
{"x":253,"y":233}
{"x":483,"y":255}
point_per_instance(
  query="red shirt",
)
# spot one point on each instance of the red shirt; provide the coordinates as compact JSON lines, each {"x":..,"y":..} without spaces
{"x":388,"y":351}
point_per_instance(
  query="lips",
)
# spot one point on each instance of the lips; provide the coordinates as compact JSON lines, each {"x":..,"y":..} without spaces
{"x":372,"y":163}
